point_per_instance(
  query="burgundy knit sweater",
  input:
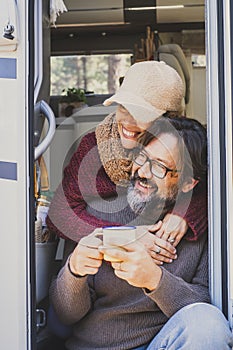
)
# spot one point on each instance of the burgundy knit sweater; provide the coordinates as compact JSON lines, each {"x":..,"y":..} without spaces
{"x":85,"y":179}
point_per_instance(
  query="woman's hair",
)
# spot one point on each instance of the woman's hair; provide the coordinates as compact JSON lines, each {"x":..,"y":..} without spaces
{"x":192,"y":142}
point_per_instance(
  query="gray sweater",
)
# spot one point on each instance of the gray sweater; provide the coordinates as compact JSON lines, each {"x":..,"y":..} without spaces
{"x":108,"y":313}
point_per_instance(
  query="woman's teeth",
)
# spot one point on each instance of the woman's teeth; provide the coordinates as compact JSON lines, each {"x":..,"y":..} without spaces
{"x":128,"y":133}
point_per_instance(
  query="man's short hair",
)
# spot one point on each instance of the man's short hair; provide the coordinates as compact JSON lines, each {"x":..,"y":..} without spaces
{"x":192,"y":143}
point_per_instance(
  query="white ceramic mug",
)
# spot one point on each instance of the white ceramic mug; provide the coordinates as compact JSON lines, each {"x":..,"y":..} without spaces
{"x":124,"y":234}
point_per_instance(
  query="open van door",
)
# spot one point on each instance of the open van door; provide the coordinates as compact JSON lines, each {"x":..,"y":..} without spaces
{"x":23,"y":109}
{"x":16,"y":173}
{"x":220,"y":61}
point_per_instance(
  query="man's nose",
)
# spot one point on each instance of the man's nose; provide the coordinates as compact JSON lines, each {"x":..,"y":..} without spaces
{"x":144,"y":171}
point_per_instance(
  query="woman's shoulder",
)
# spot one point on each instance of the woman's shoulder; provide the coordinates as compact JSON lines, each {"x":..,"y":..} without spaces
{"x":87,"y":143}
{"x":85,"y":146}
{"x":89,"y":139}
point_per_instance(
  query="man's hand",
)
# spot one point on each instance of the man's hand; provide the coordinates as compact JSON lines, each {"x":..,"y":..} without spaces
{"x":136,"y":266}
{"x":86,"y":259}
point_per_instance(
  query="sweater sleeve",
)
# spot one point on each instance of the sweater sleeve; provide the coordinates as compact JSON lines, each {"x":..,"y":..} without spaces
{"x":84,"y":178}
{"x":196,"y":215}
{"x":173,"y":292}
{"x":70,"y":296}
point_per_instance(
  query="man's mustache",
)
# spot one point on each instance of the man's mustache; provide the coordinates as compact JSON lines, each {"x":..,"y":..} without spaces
{"x":135,"y":177}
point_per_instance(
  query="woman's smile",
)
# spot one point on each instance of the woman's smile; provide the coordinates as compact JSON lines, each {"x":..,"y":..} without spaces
{"x":129,"y":129}
{"x":128,"y":133}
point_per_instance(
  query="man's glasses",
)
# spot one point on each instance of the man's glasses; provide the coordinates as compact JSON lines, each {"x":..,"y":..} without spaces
{"x":157,"y":169}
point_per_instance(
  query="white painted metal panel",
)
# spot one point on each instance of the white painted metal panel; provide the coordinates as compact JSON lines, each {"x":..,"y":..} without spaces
{"x":14,"y":190}
{"x":229,"y":159}
{"x":216,"y":175}
{"x":214,"y":153}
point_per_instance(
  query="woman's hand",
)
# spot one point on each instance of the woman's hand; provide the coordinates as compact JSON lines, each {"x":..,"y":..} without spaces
{"x":160,"y":250}
{"x":171,"y":229}
{"x":86,"y":259}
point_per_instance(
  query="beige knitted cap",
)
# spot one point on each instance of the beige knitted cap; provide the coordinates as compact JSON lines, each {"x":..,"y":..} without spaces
{"x":149,"y":89}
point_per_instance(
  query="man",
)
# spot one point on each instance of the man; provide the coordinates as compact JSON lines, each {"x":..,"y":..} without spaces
{"x":133,"y":303}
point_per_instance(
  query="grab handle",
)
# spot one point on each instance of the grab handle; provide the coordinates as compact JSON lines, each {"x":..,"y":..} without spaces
{"x":43,"y":108}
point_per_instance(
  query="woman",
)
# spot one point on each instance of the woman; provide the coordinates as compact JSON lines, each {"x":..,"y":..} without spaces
{"x":101,"y":165}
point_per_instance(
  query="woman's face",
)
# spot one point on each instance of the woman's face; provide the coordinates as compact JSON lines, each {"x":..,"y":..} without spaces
{"x":129,"y":129}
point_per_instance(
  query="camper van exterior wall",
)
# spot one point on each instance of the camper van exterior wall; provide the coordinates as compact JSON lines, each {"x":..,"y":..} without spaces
{"x":15,"y":157}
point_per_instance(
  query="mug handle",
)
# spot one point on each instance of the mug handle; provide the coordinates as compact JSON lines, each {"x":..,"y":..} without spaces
{"x":98,"y":233}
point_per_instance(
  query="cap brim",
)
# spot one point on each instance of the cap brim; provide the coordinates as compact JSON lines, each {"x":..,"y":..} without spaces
{"x":141,"y":110}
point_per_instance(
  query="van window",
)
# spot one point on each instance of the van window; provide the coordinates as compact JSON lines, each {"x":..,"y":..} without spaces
{"x":94,"y":73}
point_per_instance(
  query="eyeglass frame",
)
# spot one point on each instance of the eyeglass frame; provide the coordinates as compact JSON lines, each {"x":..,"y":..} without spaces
{"x":151,"y":161}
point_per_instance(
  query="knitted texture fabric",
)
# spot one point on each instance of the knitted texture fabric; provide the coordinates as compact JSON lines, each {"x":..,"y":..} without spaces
{"x":116,"y":161}
{"x":86,"y":179}
{"x":108,"y":313}
{"x":150,"y":89}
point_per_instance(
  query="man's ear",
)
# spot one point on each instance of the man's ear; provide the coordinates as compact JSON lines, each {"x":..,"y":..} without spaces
{"x":189,"y":184}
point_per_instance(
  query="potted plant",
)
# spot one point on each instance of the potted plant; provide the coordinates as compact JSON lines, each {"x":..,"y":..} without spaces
{"x":71,"y":100}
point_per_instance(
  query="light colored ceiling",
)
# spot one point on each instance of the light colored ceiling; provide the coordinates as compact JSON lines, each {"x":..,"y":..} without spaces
{"x":193,"y":11}
{"x":105,"y":11}
{"x":92,"y":11}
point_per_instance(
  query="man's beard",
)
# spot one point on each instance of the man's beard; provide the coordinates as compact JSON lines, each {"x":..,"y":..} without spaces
{"x":153,"y":204}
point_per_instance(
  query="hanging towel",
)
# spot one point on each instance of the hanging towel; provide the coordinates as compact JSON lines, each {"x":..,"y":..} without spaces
{"x":57,"y":7}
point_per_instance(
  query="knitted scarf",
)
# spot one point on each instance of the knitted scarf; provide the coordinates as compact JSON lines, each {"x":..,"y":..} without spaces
{"x":116,"y":160}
